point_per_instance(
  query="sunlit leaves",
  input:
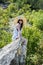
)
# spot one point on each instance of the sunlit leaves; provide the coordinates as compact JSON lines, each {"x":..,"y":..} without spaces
{"x":34,"y":36}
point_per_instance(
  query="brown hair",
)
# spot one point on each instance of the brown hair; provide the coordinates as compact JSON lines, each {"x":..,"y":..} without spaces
{"x":21,"y":23}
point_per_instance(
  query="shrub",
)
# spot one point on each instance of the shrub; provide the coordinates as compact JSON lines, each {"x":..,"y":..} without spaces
{"x":5,"y":38}
{"x":33,"y":35}
{"x":35,"y":19}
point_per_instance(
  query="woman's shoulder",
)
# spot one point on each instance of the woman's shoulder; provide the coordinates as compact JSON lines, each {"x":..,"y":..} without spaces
{"x":17,"y":25}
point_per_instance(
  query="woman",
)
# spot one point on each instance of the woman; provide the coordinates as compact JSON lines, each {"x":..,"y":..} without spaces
{"x":17,"y":34}
{"x":17,"y":30}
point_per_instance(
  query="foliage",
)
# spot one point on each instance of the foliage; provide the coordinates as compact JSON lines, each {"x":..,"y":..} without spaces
{"x":33,"y":46}
{"x":35,"y":4}
{"x":4,"y":38}
{"x":5,"y":35}
{"x":35,"y":18}
{"x":33,"y":37}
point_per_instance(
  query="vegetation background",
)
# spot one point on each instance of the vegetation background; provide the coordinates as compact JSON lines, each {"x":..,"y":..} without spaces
{"x":33,"y":11}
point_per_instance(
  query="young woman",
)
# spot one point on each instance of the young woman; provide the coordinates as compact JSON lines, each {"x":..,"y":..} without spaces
{"x":16,"y":35}
{"x":17,"y":30}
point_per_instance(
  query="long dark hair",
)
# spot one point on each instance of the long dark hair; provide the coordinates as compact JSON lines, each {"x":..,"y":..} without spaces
{"x":21,"y":25}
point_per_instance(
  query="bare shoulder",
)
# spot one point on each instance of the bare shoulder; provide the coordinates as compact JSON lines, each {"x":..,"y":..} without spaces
{"x":17,"y":25}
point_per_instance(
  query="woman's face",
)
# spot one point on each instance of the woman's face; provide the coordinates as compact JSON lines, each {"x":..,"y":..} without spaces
{"x":20,"y":22}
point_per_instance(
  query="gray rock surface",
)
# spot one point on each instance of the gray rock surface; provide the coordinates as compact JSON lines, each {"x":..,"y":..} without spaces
{"x":8,"y":53}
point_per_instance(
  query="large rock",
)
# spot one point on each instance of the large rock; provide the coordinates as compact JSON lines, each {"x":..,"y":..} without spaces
{"x":9,"y":56}
{"x":8,"y":52}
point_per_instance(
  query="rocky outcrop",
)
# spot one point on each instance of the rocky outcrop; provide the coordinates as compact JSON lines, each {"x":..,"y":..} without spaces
{"x":8,"y":53}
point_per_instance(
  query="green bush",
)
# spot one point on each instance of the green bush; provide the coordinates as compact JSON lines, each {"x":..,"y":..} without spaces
{"x":1,"y":11}
{"x":39,"y":24}
{"x":5,"y":38}
{"x":35,"y":18}
{"x":5,"y":35}
{"x":34,"y":36}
